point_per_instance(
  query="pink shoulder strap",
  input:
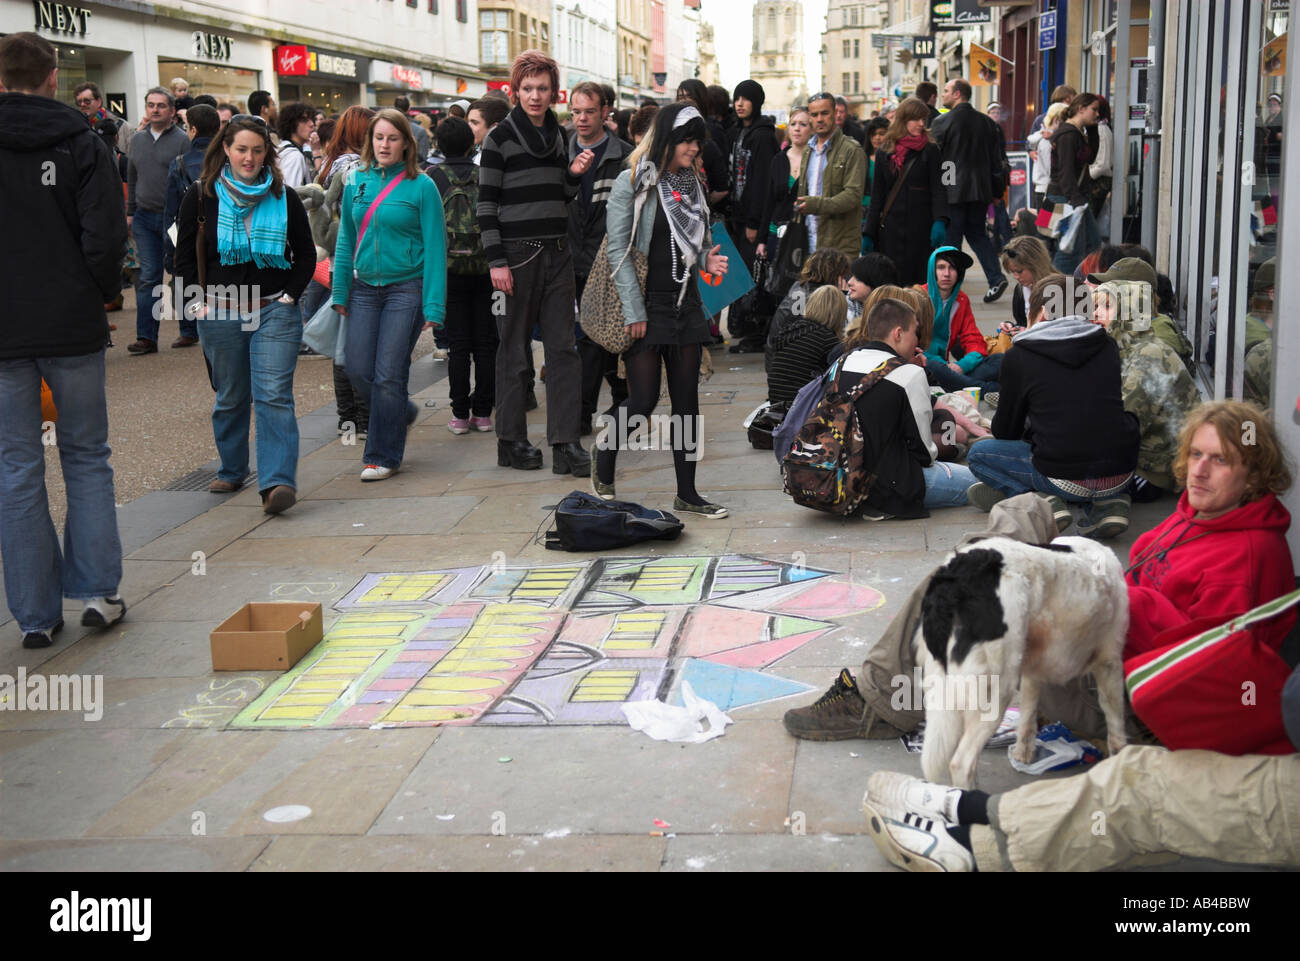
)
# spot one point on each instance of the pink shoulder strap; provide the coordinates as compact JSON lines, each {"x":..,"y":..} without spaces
{"x":374,"y":204}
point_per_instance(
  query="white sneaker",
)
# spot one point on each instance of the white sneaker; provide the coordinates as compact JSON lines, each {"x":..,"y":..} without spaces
{"x":374,"y":472}
{"x":914,"y":842}
{"x":103,"y":612}
{"x":901,"y":793}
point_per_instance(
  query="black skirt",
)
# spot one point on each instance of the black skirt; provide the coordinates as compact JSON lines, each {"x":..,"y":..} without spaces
{"x":668,"y":323}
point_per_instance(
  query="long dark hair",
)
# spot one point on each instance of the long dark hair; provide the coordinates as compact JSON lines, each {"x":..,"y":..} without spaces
{"x":215,"y":159}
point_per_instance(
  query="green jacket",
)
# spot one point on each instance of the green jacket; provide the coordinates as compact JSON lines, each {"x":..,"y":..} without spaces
{"x":839,"y":206}
{"x":1163,"y":326}
{"x":406,"y":239}
{"x":1156,"y":386}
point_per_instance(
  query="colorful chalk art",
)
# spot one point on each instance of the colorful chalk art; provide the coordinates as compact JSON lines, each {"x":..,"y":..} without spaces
{"x":561,"y":644}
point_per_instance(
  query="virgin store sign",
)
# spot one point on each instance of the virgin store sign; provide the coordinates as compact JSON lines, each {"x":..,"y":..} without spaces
{"x":291,"y":61}
{"x":409,"y":76}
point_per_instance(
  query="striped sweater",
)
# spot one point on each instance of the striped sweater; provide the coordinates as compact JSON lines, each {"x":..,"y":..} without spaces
{"x":524,"y":185}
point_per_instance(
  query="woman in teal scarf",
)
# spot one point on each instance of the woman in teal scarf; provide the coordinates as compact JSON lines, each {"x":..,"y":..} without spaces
{"x":258,"y":258}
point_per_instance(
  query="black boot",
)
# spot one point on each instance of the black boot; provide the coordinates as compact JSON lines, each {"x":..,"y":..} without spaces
{"x":570,"y":458}
{"x":518,"y":454}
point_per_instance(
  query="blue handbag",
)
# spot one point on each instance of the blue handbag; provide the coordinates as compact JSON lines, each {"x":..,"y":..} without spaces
{"x":326,"y":333}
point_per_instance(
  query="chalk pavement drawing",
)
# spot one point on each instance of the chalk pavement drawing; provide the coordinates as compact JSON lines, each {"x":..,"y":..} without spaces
{"x":557,"y":644}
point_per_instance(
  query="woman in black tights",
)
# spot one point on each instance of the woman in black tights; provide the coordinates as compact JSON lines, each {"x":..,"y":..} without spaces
{"x":660,"y":205}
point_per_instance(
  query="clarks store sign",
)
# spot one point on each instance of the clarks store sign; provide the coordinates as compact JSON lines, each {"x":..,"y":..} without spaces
{"x":65,"y":18}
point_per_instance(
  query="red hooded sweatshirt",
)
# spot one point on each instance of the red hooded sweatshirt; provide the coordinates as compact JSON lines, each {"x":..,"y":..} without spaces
{"x":1186,"y":569}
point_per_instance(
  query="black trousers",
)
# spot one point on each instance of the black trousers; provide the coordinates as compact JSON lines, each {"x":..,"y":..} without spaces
{"x":598,"y":365}
{"x":472,"y":335}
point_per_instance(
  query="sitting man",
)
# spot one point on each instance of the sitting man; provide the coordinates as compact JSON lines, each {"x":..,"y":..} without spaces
{"x":1155,"y":803}
{"x":1223,"y":552}
{"x":1155,"y":384}
{"x":955,"y":332}
{"x":1061,"y":428}
{"x":894,"y":417}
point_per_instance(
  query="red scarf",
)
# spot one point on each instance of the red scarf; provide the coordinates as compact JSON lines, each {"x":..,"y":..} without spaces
{"x":905,"y":144}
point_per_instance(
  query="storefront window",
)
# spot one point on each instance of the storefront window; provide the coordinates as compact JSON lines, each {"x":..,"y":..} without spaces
{"x":224,"y":83}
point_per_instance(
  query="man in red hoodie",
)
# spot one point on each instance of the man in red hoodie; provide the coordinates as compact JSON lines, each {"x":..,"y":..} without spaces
{"x":1220,"y":554}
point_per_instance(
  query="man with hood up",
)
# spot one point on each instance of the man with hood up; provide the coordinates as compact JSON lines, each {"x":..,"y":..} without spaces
{"x":1154,"y":383}
{"x":58,"y":268}
{"x":753,"y":145}
{"x":1061,"y":428}
{"x":958,"y":355}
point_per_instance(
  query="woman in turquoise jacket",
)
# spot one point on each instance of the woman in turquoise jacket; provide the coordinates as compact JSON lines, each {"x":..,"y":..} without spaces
{"x":390,"y":277}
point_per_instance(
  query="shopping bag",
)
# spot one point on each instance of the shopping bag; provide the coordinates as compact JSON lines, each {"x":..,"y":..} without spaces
{"x":791,"y":251}
{"x":719,"y":292}
{"x":326,"y":333}
{"x":1070,"y":238}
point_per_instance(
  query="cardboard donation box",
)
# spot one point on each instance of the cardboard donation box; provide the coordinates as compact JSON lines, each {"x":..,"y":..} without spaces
{"x":266,"y":637}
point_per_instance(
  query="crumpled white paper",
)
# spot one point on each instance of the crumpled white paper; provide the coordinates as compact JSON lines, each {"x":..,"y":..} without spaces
{"x":695,"y":722}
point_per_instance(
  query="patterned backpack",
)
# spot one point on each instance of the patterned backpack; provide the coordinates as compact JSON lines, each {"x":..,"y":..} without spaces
{"x":824,"y":467}
{"x":459,"y":189}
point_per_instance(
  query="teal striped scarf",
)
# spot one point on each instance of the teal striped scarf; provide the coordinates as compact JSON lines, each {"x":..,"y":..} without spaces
{"x":252,"y":223}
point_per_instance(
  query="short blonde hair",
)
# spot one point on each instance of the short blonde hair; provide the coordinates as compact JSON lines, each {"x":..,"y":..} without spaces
{"x":1054,"y":113}
{"x":827,"y":308}
{"x":1234,"y":421}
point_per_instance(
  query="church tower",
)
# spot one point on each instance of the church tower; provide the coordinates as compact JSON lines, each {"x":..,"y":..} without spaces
{"x":776,"y":59}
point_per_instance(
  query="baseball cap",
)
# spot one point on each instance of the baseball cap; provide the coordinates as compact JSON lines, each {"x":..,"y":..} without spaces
{"x":1129,"y":268}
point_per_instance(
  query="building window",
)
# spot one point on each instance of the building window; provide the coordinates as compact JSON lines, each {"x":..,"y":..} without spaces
{"x":853,"y":16}
{"x":857,"y":49}
{"x":857,"y":83}
{"x":494,"y":36}
{"x":771,"y":63}
{"x":846,"y":45}
{"x":546,"y":38}
{"x":462,"y":11}
{"x":844,"y":81}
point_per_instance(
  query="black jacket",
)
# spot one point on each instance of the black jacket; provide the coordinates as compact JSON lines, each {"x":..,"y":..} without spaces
{"x":893,"y":447}
{"x":1061,"y":392}
{"x":779,"y":206}
{"x":299,"y":247}
{"x":971,"y":142}
{"x":587,"y":223}
{"x":63,"y":233}
{"x":752,"y":151}
{"x":905,"y":236}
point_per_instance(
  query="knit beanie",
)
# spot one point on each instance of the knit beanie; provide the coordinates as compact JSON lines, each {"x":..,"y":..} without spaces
{"x":752,"y":91}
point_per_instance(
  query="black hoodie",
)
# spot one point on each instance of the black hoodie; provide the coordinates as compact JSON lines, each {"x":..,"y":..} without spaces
{"x":1060,"y":390}
{"x":752,"y":150}
{"x":64,"y":230}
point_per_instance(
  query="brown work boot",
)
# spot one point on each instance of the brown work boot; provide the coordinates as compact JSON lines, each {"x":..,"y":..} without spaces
{"x":838,"y":715}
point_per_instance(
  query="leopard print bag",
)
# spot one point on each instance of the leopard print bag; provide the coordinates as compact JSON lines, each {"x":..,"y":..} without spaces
{"x":601,"y":311}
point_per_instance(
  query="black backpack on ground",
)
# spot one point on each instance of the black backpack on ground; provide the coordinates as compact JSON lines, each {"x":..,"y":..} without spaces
{"x":584,"y":522}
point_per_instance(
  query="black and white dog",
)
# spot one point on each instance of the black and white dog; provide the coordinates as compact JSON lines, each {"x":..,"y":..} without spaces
{"x":1014,"y":615}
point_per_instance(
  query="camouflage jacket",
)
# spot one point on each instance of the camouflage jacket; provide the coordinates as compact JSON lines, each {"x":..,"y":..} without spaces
{"x":1258,"y":373}
{"x":1155,"y":383}
{"x":1163,"y":326}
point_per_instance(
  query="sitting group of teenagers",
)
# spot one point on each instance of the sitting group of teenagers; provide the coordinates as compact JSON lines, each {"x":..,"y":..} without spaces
{"x":1095,"y":407}
{"x":1090,"y":383}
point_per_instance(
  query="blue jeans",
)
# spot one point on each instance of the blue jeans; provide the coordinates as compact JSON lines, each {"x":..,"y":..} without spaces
{"x":967,"y":220}
{"x":148,"y":229}
{"x":946,"y":484}
{"x":383,"y":325}
{"x":984,"y":375}
{"x":1089,"y":239}
{"x":1006,"y":465}
{"x":37,"y":574}
{"x":253,"y":358}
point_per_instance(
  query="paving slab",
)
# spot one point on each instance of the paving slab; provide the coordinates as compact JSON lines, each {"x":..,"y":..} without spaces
{"x":604,"y":852}
{"x":189,"y":855}
{"x":369,"y":516}
{"x":57,"y":783}
{"x":789,"y":853}
{"x":595,"y":780}
{"x":209,"y":532}
{"x":232,"y":778}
